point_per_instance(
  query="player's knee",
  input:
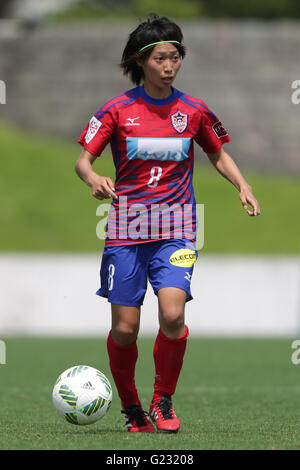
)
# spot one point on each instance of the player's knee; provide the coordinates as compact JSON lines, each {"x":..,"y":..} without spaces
{"x":172,"y":319}
{"x":124,"y":333}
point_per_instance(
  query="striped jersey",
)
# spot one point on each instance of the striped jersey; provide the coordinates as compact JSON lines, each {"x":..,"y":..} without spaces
{"x":152,"y":142}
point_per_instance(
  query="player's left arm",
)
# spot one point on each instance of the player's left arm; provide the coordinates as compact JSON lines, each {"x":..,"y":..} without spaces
{"x":225,"y":165}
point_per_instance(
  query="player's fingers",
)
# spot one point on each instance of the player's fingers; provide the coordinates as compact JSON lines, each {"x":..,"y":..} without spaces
{"x":110,"y":183}
{"x":248,"y":200}
{"x":258,"y":209}
{"x":104,"y":189}
{"x":244,"y":201}
{"x":99,"y":193}
{"x":108,"y":192}
{"x":110,"y":188}
{"x":255,"y":206}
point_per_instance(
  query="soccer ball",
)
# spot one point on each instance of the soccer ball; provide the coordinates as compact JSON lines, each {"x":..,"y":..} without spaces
{"x":82,"y":395}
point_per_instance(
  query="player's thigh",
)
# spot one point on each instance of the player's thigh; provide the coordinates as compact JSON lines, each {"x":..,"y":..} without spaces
{"x":172,"y":265}
{"x":123,"y":276}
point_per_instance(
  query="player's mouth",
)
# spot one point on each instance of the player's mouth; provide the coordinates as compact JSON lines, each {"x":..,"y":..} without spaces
{"x":167,"y":80}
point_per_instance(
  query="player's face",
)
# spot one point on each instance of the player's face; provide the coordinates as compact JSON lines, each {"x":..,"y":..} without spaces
{"x":161,"y":67}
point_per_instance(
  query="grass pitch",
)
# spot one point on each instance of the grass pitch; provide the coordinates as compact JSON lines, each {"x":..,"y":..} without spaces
{"x":232,"y":394}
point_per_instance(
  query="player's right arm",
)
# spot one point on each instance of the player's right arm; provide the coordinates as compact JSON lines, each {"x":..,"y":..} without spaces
{"x":102,"y":186}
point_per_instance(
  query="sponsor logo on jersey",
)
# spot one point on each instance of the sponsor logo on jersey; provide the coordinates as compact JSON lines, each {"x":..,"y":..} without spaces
{"x":179,"y":121}
{"x":132,"y":122}
{"x":183,"y":258}
{"x":220,"y":131}
{"x":168,"y":148}
{"x":94,"y":125}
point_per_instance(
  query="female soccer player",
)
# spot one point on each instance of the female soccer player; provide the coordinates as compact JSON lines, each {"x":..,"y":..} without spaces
{"x":151,"y":129}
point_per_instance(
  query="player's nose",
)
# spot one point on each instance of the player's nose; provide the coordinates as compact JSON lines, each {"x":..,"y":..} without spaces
{"x":168,"y":66}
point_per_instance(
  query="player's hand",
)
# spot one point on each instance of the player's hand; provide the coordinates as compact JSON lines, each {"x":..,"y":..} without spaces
{"x":103,"y":188}
{"x":246,"y":198}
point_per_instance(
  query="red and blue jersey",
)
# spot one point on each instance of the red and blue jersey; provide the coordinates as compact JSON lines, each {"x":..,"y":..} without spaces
{"x":152,"y":146}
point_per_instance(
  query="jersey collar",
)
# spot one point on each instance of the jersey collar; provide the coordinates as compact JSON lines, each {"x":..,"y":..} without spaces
{"x":156,"y":101}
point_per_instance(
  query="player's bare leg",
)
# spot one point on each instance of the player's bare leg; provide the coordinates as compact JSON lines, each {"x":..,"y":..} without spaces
{"x":125,"y":324}
{"x":168,"y":355}
{"x":171,"y":302}
{"x":123,"y":353}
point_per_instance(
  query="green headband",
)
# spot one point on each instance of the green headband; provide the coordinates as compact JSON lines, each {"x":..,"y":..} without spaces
{"x":159,"y":42}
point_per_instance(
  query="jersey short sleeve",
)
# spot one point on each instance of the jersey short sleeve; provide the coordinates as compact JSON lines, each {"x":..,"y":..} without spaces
{"x":212,"y":134}
{"x":98,"y":132}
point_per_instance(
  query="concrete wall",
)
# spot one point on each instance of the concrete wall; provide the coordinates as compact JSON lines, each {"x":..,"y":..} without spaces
{"x":57,"y":76}
{"x":234,"y":296}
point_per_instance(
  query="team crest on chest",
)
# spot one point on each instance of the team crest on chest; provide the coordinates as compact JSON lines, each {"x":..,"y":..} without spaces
{"x":179,"y":121}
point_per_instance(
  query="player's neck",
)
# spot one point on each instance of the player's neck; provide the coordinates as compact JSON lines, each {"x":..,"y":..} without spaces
{"x":156,"y":92}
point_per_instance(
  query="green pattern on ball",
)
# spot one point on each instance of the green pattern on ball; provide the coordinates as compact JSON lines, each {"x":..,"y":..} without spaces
{"x":76,"y":371}
{"x":66,"y":394}
{"x":71,"y":418}
{"x":92,"y":407}
{"x":105,"y":381}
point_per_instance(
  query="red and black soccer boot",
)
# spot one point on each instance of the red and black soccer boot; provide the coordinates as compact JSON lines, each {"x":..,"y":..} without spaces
{"x":137,"y":419}
{"x":162,"y":413}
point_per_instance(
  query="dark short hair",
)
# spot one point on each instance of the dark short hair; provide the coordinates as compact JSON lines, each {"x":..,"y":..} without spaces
{"x":153,"y":30}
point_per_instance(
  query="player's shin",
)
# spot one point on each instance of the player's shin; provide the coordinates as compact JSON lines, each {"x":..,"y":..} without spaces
{"x":122,"y":364}
{"x":168,"y":356}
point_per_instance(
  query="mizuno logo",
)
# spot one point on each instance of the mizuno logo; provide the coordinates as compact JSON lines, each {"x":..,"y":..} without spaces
{"x":131,"y":122}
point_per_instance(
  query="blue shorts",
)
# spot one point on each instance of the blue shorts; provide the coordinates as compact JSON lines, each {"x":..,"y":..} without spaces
{"x":125,"y":270}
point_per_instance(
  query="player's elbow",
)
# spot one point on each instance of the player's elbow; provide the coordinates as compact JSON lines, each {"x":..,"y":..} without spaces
{"x":215,"y":157}
{"x":77,"y":166}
